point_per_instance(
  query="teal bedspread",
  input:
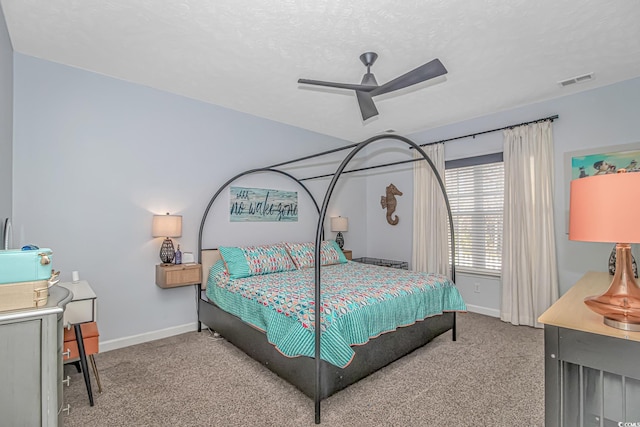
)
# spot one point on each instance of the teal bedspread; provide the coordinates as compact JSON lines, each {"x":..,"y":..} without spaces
{"x":359,"y":302}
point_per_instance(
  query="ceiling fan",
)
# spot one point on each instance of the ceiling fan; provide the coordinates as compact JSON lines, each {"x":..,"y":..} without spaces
{"x":368,"y":88}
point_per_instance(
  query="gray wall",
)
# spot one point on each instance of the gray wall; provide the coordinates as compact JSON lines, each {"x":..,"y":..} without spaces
{"x":6,"y":118}
{"x":96,"y":157}
{"x":595,"y":118}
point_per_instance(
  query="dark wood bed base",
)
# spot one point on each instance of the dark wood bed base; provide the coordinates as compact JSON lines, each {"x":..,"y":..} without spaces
{"x":300,"y":371}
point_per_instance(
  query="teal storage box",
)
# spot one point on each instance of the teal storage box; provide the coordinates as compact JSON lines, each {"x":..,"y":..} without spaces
{"x":25,"y":266}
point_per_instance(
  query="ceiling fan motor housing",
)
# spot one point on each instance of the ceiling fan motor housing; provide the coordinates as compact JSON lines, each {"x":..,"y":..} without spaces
{"x":369,"y":79}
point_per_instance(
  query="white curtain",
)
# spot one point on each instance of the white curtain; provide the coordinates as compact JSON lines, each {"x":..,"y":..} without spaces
{"x":529,"y":267}
{"x":430,"y":241}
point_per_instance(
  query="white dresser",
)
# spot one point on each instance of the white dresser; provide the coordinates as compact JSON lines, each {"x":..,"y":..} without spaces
{"x":31,"y":369}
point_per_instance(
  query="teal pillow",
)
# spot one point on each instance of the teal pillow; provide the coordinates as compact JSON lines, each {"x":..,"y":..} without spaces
{"x":235,"y":261}
{"x":255,"y":260}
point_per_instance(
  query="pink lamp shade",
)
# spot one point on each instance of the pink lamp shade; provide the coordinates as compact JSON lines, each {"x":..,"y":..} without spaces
{"x":606,"y":208}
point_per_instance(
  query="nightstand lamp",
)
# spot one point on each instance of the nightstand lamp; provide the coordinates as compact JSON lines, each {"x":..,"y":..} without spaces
{"x":339,"y":224}
{"x":167,"y":226}
{"x":606,"y":208}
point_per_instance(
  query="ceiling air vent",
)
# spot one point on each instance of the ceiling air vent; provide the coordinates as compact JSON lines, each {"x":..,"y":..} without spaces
{"x":578,"y":79}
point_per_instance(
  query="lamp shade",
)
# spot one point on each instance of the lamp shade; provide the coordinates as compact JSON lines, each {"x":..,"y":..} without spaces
{"x":339,"y":223}
{"x":167,"y":225}
{"x":605,"y":208}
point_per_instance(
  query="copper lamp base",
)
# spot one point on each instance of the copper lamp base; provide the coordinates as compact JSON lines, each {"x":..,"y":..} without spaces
{"x":620,"y":304}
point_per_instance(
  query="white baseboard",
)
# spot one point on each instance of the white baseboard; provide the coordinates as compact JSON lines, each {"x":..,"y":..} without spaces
{"x":189,"y":327}
{"x":146,"y":337}
{"x":483,"y":310}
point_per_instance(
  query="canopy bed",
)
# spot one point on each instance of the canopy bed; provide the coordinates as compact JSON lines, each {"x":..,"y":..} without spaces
{"x":369,"y":316}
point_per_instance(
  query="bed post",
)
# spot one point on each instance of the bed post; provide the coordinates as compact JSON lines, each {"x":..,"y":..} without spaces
{"x":318,"y":296}
{"x":198,"y":287}
{"x":322,"y":213}
{"x":453,"y":330}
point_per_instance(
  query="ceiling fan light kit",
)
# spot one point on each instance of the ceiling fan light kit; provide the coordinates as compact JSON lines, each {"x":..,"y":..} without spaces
{"x":368,"y":88}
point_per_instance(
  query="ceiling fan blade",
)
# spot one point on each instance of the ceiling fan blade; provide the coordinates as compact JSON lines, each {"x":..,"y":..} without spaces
{"x":422,"y":73}
{"x":363,"y":88}
{"x":367,"y":107}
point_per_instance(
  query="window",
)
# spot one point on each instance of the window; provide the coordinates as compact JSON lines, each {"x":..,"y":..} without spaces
{"x":475,"y":187}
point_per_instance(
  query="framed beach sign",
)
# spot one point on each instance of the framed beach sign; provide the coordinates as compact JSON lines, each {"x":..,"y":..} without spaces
{"x":599,"y":161}
{"x":261,"y":204}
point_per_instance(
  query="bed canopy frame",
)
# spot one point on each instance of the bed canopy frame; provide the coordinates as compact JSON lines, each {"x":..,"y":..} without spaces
{"x":322,"y":210}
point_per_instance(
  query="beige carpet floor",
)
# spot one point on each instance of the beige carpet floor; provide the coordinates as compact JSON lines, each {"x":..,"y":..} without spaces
{"x":492,"y":376}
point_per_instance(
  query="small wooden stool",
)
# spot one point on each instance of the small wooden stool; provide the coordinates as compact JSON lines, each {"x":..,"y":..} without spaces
{"x":90,"y":337}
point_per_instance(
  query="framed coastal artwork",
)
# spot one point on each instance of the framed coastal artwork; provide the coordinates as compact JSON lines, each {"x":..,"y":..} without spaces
{"x":604,"y":160}
{"x":599,"y":161}
{"x":262,"y":204}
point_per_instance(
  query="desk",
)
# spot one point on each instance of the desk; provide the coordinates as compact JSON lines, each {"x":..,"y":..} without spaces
{"x":592,"y":376}
{"x":79,"y":312}
{"x":82,"y":308}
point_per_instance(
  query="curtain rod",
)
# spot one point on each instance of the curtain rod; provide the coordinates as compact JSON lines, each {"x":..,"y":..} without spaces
{"x":346,"y":147}
{"x":550,"y":118}
{"x":473,"y":135}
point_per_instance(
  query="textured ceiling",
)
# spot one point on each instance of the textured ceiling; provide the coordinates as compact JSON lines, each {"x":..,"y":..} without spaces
{"x":247,"y":55}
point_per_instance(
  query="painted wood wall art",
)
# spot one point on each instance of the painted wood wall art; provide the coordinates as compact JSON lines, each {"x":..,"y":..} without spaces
{"x":389,"y":203}
{"x":261,"y":204}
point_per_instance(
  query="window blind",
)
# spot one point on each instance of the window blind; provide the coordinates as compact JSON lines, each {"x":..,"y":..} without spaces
{"x":476,"y":196}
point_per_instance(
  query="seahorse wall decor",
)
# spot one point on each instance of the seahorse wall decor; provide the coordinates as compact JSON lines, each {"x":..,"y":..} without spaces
{"x":389,"y":203}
